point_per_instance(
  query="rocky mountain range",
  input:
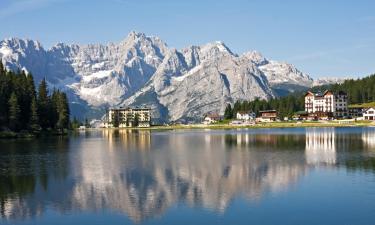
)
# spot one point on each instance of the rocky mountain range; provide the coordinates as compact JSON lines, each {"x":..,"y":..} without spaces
{"x":142,"y":70}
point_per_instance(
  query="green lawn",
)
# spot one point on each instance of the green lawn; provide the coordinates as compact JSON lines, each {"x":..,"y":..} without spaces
{"x":365,"y":105}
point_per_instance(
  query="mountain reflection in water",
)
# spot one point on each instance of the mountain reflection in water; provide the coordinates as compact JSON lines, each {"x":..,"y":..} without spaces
{"x":142,"y":173}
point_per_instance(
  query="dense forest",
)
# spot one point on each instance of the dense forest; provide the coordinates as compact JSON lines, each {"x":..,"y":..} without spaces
{"x":286,"y":106}
{"x":22,"y":108}
{"x":358,"y":90}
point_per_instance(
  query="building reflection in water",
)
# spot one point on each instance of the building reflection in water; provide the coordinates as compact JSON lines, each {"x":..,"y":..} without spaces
{"x":368,"y":138}
{"x":128,"y":139}
{"x":320,"y":146}
{"x":141,"y":174}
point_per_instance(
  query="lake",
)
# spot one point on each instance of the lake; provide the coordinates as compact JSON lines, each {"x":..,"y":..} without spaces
{"x":245,"y":176}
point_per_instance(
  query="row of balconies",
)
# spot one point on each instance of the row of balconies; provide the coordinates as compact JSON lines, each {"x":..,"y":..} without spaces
{"x":131,"y":118}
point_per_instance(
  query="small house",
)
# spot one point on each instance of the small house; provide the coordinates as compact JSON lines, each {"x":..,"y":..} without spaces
{"x":212,"y":118}
{"x":300,"y":115}
{"x":369,"y":114}
{"x":355,"y":112}
{"x":268,"y":115}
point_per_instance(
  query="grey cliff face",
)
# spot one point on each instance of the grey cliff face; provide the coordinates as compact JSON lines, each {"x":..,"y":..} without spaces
{"x":141,"y":70}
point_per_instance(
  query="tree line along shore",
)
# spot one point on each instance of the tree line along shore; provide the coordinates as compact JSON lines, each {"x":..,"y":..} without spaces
{"x":29,"y":111}
{"x":361,"y":92}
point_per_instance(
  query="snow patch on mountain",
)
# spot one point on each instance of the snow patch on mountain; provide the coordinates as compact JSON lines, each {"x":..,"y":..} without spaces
{"x":5,"y":51}
{"x":328,"y":80}
{"x":279,"y":73}
{"x":143,"y":70}
{"x":97,"y":75}
{"x":198,"y":80}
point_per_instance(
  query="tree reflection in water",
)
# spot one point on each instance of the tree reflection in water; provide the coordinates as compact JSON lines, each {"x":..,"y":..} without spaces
{"x":143,"y":173}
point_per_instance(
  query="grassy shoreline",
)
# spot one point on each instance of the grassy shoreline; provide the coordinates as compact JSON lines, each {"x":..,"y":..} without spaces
{"x":30,"y":135}
{"x":14,"y":135}
{"x":259,"y":125}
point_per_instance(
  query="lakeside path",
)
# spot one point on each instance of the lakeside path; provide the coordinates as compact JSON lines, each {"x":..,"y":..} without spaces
{"x":258,"y":125}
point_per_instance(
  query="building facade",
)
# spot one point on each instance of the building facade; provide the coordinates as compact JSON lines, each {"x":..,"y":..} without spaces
{"x":212,"y":118}
{"x":128,"y":117}
{"x":245,"y":116}
{"x":327,"y":104}
{"x":355,"y":112}
{"x":268,"y":116}
{"x":369,"y":114}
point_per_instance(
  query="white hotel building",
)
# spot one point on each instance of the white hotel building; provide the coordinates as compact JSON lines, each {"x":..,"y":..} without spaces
{"x":128,"y":117}
{"x":327,"y":104}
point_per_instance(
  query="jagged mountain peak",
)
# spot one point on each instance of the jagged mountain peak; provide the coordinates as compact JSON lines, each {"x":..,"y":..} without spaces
{"x":139,"y":37}
{"x":135,"y":34}
{"x":256,"y":57}
{"x":21,"y":43}
{"x":142,"y":69}
{"x":215,"y":48}
{"x":15,"y":48}
{"x":60,"y":46}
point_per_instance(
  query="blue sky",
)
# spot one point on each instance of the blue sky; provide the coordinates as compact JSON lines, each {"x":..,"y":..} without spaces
{"x":321,"y":37}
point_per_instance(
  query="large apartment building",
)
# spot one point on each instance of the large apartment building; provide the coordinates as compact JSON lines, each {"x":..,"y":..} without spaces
{"x":128,"y":117}
{"x":327,"y":104}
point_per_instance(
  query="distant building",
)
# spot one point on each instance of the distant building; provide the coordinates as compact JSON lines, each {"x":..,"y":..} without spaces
{"x":128,"y":117}
{"x":245,"y":116}
{"x":300,"y":115}
{"x":268,"y":115}
{"x":369,"y":114}
{"x":355,"y":112}
{"x":236,"y":122}
{"x":327,"y":104}
{"x":212,"y":118}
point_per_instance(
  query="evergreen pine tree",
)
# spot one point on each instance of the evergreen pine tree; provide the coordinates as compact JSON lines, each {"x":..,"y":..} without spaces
{"x":74,"y":124}
{"x":136,"y":120}
{"x":2,"y":70}
{"x":87,"y":124}
{"x":54,"y":110}
{"x":25,"y":92}
{"x":59,"y":110}
{"x":64,"y":114}
{"x":14,"y":113}
{"x":30,"y":86}
{"x":115,"y":120}
{"x":34,"y":119}
{"x":228,"y":113}
{"x":3,"y":96}
{"x":44,"y":105}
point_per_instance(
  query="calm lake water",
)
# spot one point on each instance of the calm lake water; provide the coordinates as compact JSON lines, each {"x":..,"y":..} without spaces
{"x":247,"y":176}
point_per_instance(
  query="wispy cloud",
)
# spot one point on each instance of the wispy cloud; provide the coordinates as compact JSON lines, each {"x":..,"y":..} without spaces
{"x":17,"y":6}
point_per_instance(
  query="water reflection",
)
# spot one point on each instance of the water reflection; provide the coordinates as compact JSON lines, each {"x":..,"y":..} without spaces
{"x":128,"y":139}
{"x":142,"y":173}
{"x":27,"y":169}
{"x":368,"y":138}
{"x":320,"y":146}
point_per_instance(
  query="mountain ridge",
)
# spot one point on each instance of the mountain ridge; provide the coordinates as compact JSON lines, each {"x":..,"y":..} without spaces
{"x":141,"y":69}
